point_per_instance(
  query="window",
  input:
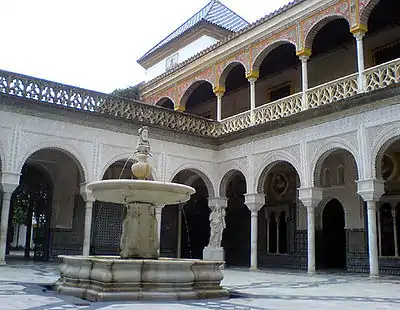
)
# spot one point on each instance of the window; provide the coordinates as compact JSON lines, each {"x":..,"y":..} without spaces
{"x":279,"y":92}
{"x":172,"y":61}
{"x":340,"y":175}
{"x":277,"y":242}
{"x":326,"y":181}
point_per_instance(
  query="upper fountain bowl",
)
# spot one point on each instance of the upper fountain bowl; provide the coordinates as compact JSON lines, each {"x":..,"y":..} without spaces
{"x":142,"y":191}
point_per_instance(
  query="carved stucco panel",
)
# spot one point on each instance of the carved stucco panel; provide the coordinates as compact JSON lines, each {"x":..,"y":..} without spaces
{"x":5,"y":148}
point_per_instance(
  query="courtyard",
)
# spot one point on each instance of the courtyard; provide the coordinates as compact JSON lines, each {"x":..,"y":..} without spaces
{"x":27,"y":285}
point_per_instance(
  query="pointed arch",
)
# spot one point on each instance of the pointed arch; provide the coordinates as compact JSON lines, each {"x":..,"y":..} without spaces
{"x":189,"y":90}
{"x":166,"y":102}
{"x":227,"y":69}
{"x":226,"y":178}
{"x":366,"y":11}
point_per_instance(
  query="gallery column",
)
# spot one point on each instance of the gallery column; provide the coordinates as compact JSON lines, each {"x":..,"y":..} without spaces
{"x":252,"y":78}
{"x":219,"y":91}
{"x":254,"y":202}
{"x":88,"y":197}
{"x":310,"y":197}
{"x":12,"y":182}
{"x":359,"y":33}
{"x":304,"y":55}
{"x":370,"y":191}
{"x":213,"y":251}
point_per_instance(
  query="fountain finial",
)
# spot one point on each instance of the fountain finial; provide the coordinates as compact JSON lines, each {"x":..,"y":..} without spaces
{"x":142,"y":169}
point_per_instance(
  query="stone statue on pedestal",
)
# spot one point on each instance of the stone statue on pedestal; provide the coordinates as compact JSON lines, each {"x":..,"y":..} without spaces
{"x":217,"y":226}
{"x":143,"y":144}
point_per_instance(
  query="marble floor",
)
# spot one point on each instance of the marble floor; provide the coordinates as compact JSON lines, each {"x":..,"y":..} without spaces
{"x":25,"y":285}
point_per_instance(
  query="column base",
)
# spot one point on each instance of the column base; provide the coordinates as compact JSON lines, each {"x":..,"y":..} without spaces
{"x":253,"y":268}
{"x":213,"y":254}
{"x":3,"y":263}
{"x":311,"y":272}
{"x":374,"y":276}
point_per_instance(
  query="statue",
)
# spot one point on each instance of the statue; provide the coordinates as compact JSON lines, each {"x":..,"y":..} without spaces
{"x":143,"y":144}
{"x":217,"y":226}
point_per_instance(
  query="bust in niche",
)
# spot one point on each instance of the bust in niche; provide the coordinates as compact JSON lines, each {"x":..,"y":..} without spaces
{"x":280,"y":184}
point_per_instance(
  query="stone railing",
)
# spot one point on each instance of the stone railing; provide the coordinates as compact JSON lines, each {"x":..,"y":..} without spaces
{"x":235,"y":123}
{"x":382,"y":76}
{"x":332,"y":91}
{"x":281,"y":108}
{"x":52,"y":93}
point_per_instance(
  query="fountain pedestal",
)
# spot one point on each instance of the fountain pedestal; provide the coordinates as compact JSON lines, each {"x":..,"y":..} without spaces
{"x":139,"y":237}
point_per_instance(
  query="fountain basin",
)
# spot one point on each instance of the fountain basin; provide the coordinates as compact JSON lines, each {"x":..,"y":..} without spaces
{"x":110,"y":278}
{"x":140,"y":191}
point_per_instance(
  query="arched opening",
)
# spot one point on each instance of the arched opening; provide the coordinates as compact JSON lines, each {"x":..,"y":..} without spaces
{"x":333,"y":236}
{"x":280,"y":74}
{"x":107,"y":217}
{"x":166,"y":103}
{"x":47,"y":211}
{"x":185,"y":228}
{"x":340,"y":187}
{"x":236,"y":236}
{"x":332,"y":44}
{"x":277,"y":219}
{"x":383,"y":39}
{"x":236,"y":97}
{"x":388,"y":207}
{"x":200,"y":100}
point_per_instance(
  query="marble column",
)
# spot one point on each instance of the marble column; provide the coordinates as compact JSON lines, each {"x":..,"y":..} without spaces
{"x":359,"y":33}
{"x":219,"y":91}
{"x":213,"y":251}
{"x":371,"y":190}
{"x":252,"y":78}
{"x":254,"y":203}
{"x":8,"y":189}
{"x":310,"y":197}
{"x":88,"y":227}
{"x":394,"y":216}
{"x":304,"y":55}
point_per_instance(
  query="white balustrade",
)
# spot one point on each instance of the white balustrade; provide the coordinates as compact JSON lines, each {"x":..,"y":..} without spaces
{"x":383,"y":75}
{"x":236,"y":122}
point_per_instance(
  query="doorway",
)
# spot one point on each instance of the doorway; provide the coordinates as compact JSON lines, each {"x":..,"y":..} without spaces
{"x":333,"y":236}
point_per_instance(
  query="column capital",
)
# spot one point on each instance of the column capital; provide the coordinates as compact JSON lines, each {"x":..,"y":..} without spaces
{"x":219,"y":90}
{"x":85,"y":192}
{"x":370,"y":189}
{"x":305,"y":52}
{"x":254,"y":201}
{"x":310,"y":196}
{"x":359,"y":31}
{"x":217,"y":202}
{"x":253,"y":75}
{"x":9,"y":181}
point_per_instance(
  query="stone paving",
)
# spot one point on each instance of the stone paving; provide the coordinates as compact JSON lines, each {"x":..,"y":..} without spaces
{"x":26,"y":285}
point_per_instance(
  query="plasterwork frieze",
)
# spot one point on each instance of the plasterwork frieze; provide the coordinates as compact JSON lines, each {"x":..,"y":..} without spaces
{"x":169,"y":93}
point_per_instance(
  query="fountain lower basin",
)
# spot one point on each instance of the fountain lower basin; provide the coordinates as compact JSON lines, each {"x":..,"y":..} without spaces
{"x":110,"y":278}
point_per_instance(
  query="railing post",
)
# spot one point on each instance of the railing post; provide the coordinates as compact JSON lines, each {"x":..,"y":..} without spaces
{"x":219,"y":91}
{"x":304,"y":55}
{"x":359,"y":32}
{"x":252,"y":77}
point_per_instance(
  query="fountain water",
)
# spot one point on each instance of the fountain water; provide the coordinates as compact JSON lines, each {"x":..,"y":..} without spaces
{"x":138,"y":273}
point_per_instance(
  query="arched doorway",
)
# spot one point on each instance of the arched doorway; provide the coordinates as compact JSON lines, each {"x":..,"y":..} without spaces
{"x":334,"y":236}
{"x":30,"y":215}
{"x":185,"y":228}
{"x":47,"y":211}
{"x":236,"y":236}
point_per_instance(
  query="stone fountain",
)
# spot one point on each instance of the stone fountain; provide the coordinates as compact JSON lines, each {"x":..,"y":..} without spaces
{"x":139,"y":273}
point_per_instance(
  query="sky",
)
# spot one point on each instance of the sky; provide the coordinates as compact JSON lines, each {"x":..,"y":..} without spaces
{"x":94,"y":44}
